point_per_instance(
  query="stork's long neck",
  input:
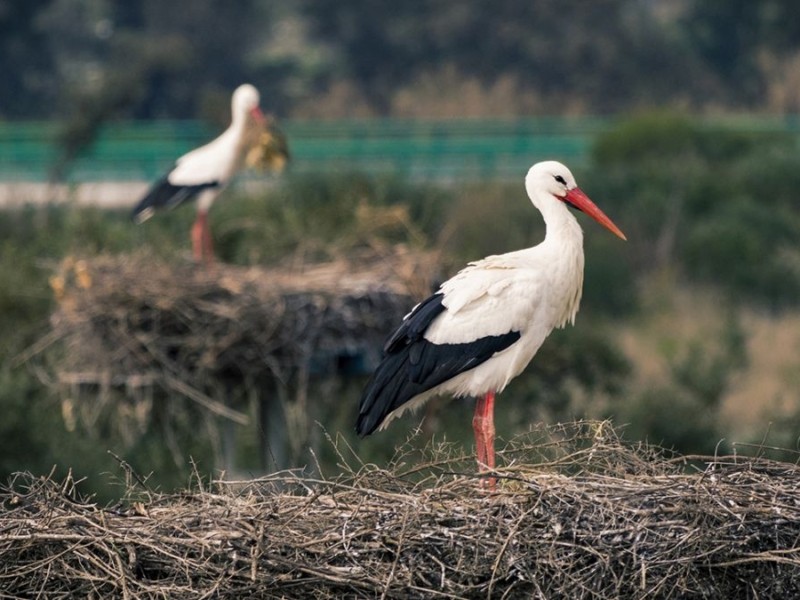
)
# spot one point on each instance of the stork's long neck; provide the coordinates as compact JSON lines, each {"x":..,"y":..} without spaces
{"x":563,"y":243}
{"x":562,"y":227}
{"x":238,"y":124}
{"x":237,"y":134}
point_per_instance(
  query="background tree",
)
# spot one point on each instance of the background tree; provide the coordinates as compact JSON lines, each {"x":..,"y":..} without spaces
{"x":739,"y":41}
{"x":574,"y":55}
{"x":420,"y":57}
{"x":25,"y":60}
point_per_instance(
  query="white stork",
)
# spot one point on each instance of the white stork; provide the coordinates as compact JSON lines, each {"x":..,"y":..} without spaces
{"x":483,"y":326}
{"x":203,"y":173}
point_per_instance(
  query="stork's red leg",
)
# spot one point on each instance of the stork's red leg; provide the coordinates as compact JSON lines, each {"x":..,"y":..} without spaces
{"x":488,"y":429}
{"x":477,"y":427}
{"x":202,"y":244}
{"x":208,"y":244}
{"x":483,"y":425}
{"x":197,"y":237}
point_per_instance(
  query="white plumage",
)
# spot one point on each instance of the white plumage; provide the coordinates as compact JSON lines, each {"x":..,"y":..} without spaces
{"x":203,"y":173}
{"x":484,"y":325}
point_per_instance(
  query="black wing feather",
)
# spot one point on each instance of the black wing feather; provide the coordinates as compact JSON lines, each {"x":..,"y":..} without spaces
{"x":412,"y":365}
{"x":164,"y":194}
{"x":414,"y":325}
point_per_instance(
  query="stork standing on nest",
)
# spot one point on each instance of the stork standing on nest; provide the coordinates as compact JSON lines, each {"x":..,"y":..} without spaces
{"x":203,"y":173}
{"x":483,"y":326}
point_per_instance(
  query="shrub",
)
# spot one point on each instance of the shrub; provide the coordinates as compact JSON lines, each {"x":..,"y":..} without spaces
{"x":720,"y":205}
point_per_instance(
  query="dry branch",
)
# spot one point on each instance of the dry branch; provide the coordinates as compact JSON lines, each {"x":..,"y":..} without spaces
{"x":577,"y":514}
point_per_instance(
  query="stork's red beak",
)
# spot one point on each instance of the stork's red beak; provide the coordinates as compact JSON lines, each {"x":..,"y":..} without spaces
{"x":581,"y":201}
{"x":256,"y":113}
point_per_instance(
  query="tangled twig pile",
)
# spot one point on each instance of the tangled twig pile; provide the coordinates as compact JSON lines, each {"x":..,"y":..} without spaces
{"x":130,"y":328}
{"x":578,"y":514}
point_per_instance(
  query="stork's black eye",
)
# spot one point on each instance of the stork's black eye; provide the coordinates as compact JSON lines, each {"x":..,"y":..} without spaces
{"x":560,"y":180}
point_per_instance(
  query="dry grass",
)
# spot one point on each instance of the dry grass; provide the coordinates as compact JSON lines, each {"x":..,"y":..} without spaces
{"x":769,"y":389}
{"x":577,"y":514}
{"x":765,"y":389}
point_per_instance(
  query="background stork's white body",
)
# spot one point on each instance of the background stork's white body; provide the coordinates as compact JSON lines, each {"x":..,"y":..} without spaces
{"x":483,"y":326}
{"x":217,"y":161}
{"x":202,"y":174}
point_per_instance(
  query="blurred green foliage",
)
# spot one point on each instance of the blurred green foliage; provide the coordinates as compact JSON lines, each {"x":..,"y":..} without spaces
{"x":720,"y":205}
{"x":319,"y":216}
{"x":684,"y":414}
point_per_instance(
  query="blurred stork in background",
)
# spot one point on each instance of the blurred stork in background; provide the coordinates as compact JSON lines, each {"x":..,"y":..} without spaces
{"x":201,"y":175}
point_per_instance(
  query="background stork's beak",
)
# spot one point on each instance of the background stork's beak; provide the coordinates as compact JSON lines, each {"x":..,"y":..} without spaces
{"x":256,"y":113}
{"x":581,"y":201}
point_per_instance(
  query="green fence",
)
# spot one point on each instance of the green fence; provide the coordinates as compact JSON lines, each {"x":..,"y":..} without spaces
{"x":445,"y":149}
{"x":123,"y":151}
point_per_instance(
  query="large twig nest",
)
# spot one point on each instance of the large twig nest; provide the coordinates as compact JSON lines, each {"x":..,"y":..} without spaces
{"x":130,"y":324}
{"x":577,"y":515}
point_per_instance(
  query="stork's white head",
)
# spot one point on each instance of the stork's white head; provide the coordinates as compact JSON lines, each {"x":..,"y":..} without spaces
{"x":552,"y":180}
{"x":550,"y":177}
{"x":245,"y":103}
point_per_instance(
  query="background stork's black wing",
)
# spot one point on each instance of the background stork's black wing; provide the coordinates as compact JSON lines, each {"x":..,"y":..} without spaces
{"x":164,"y":194}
